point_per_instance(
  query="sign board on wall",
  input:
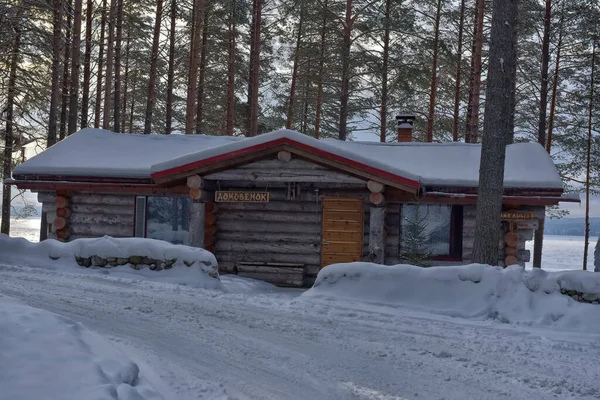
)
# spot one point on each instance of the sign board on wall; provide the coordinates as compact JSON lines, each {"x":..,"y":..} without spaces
{"x":507,"y":215}
{"x":222,"y":196}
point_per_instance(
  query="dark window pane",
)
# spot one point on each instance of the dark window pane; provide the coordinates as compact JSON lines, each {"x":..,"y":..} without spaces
{"x":140,"y":216}
{"x":168,"y":219}
{"x":425,"y":229}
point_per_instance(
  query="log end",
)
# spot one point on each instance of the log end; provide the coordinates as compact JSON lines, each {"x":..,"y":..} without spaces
{"x":376,"y":198}
{"x":284,"y":156}
{"x":510,"y":260}
{"x":195,"y":182}
{"x":375,"y":187}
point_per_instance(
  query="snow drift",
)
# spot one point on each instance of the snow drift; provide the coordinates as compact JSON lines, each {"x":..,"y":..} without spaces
{"x":511,"y":295}
{"x":46,"y":356}
{"x":148,"y":259}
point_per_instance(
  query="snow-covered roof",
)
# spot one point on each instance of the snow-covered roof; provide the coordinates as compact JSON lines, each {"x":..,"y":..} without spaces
{"x":104,"y":154}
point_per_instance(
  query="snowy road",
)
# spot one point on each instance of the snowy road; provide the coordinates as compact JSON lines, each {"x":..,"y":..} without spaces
{"x":199,"y":344}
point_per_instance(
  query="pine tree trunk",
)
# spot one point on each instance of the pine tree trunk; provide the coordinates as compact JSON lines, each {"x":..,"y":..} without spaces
{"x":432,"y":90}
{"x":555,"y":80}
{"x":202,"y":73}
{"x":475,"y":76}
{"x":319,"y":105}
{"x":231,"y":72}
{"x":151,"y":96}
{"x":125,"y":81}
{"x":193,"y":66}
{"x":65,"y":79}
{"x":8,"y":133}
{"x":496,"y":127}
{"x":171,"y":70}
{"x":345,"y":89}
{"x":109,"y":65}
{"x":290,"y":111}
{"x":251,"y":66}
{"x":75,"y":66}
{"x":132,"y":105}
{"x":118,"y":44}
{"x":87,"y":72}
{"x":304,"y":127}
{"x":384,"y":73}
{"x":99,"y":77}
{"x":588,"y":157}
{"x":538,"y":240}
{"x":457,"y":85}
{"x":255,"y":76}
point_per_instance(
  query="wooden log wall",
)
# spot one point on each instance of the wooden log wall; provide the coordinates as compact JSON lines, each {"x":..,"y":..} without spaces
{"x":92,"y":214}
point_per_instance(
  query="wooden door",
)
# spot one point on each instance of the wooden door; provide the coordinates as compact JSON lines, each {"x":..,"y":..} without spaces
{"x":342,"y":231}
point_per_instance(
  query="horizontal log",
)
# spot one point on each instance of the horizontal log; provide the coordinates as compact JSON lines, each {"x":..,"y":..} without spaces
{"x":273,"y":227}
{"x":375,"y":187}
{"x":312,"y":270}
{"x":50,"y":217}
{"x":48,"y":207}
{"x":195,"y":182}
{"x":74,"y":237}
{"x":295,"y":206}
{"x":284,"y":175}
{"x":257,"y":247}
{"x":270,"y":270}
{"x":276,"y":279}
{"x":274,"y":163}
{"x":376,"y":198}
{"x":102,"y":230}
{"x":104,"y":199}
{"x":103,"y":209}
{"x":233,"y":256}
{"x":269,"y":237}
{"x":60,"y":222}
{"x":61,"y":202}
{"x":63,"y":212}
{"x":282,"y":184}
{"x":63,"y":234}
{"x":294,"y":217}
{"x":46,"y":197}
{"x":102,"y":219}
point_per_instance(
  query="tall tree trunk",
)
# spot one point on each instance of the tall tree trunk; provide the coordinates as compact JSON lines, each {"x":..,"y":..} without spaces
{"x":151,"y":97}
{"x":8,"y":133}
{"x":193,"y":66}
{"x":555,"y":80}
{"x":457,"y":85}
{"x":305,"y":107}
{"x":87,"y":72}
{"x":65,"y":79}
{"x":99,"y":77}
{"x":132,"y":105}
{"x":118,"y":45}
{"x":319,"y":105}
{"x":126,"y":80}
{"x":588,"y":155}
{"x":345,"y":89}
{"x":432,"y":90}
{"x":255,"y":76}
{"x":475,"y":75}
{"x":250,"y":67}
{"x":202,"y":72}
{"x":496,"y":127}
{"x":538,"y":240}
{"x":290,"y":110}
{"x":75,"y":66}
{"x":384,"y":72}
{"x":109,"y":65}
{"x":171,"y":68}
{"x":231,"y":72}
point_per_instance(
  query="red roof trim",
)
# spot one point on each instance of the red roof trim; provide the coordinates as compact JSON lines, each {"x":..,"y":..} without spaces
{"x":290,"y":142}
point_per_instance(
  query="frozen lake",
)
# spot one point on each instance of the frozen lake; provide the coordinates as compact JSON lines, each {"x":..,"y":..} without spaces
{"x":560,"y":252}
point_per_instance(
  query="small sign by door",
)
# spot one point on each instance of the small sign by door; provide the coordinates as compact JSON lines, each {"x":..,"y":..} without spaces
{"x":222,"y":196}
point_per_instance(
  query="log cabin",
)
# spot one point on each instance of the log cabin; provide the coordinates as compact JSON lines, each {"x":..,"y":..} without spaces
{"x":281,"y":206}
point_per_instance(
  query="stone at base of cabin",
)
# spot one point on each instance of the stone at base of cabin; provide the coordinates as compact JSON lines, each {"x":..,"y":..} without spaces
{"x":136,"y":259}
{"x":98,"y":261}
{"x":122,"y":261}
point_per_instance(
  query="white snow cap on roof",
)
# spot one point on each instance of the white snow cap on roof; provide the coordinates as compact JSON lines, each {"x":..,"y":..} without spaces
{"x":100,"y":153}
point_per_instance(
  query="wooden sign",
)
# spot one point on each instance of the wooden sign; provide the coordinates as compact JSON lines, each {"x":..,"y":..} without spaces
{"x":241,"y":197}
{"x":517,"y":215}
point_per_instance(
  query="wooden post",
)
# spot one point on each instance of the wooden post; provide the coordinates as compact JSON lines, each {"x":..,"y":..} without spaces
{"x":197,"y":224}
{"x":376,"y":235}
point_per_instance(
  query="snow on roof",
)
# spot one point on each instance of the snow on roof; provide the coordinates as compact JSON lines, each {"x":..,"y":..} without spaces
{"x":99,"y":153}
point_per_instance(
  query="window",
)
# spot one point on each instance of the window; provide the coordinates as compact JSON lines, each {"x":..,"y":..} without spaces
{"x":163,"y":218}
{"x":431,"y":230}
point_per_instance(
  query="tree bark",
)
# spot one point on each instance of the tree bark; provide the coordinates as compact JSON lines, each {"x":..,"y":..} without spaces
{"x":75,"y":66}
{"x":255,"y":76}
{"x":109,"y":65}
{"x":251,"y":66}
{"x":57,"y":11}
{"x":555,"y":80}
{"x":231,"y":72}
{"x":202,"y":72}
{"x":319,"y":105}
{"x":125,"y":81}
{"x":171,"y":69}
{"x":475,"y":75}
{"x":588,"y":157}
{"x":99,"y":76}
{"x":345,"y":89}
{"x":151,"y":96}
{"x":500,"y":85}
{"x":384,"y":73}
{"x":132,"y":105}
{"x":87,"y":72}
{"x":457,"y":85}
{"x":65,"y":79}
{"x":538,"y":240}
{"x":290,"y":111}
{"x":432,"y":90}
{"x":8,"y":133}
{"x":193,"y":67}
{"x":118,"y":44}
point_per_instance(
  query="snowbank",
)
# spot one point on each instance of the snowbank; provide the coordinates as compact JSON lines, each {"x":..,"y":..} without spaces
{"x":472,"y":291}
{"x":126,"y":257}
{"x":46,"y":356}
